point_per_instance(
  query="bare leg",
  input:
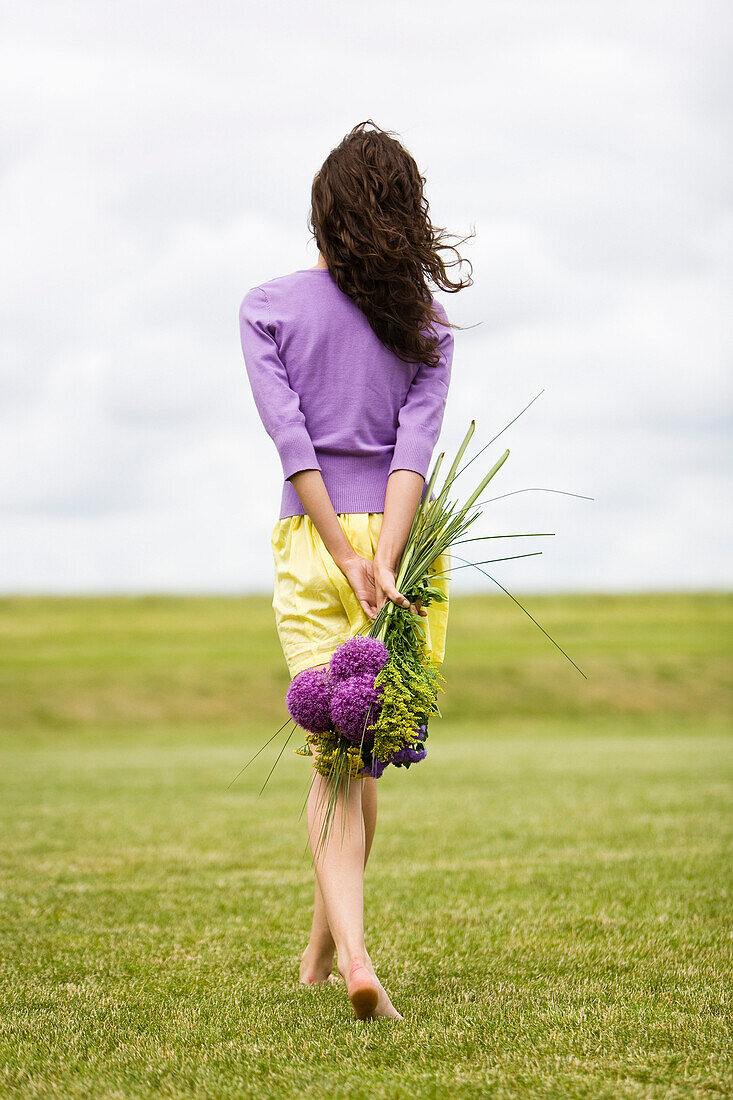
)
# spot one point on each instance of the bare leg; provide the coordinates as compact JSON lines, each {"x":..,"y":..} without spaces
{"x":369,"y":813}
{"x":340,"y":873}
{"x":317,"y":960}
{"x":340,"y":866}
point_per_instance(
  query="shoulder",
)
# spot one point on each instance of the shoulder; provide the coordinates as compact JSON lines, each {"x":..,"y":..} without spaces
{"x":280,"y":284}
{"x":254,"y":303}
{"x":260,"y":300}
{"x":439,"y":312}
{"x":441,"y":327}
{"x":275,"y":293}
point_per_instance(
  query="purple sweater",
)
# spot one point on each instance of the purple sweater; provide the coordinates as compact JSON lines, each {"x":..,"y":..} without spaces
{"x":332,"y":396}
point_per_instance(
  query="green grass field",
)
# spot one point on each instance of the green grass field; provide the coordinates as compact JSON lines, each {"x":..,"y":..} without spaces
{"x":547,"y":900}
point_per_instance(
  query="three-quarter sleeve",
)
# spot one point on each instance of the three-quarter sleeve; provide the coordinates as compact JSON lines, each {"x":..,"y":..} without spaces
{"x":277,"y":403}
{"x":421,"y":416}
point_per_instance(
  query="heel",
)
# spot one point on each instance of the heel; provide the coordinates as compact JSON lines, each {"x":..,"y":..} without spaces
{"x":363,"y":991}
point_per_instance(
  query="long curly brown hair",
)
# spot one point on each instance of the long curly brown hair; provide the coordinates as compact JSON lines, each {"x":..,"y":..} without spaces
{"x":369,"y":217}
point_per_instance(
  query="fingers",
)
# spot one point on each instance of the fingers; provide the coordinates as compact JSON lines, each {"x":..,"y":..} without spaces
{"x":382,"y":597}
{"x":391,"y":593}
{"x":369,"y":604}
{"x":396,"y":597}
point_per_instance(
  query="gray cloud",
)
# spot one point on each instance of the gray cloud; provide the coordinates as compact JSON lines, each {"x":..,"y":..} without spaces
{"x":156,"y":167}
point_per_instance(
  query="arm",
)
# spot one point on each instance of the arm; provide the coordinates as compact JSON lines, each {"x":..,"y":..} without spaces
{"x":419,"y":424}
{"x":311,"y":488}
{"x":279,"y":408}
{"x":421,"y":416}
{"x":277,"y":403}
{"x":404,"y":490}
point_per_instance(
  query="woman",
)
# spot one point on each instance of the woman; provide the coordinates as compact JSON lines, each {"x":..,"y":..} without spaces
{"x":349,"y":363}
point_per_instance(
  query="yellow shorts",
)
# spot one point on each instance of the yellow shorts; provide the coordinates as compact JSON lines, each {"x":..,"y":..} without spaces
{"x":315,"y":607}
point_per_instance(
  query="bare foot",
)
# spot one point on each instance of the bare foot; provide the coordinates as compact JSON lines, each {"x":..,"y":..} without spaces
{"x":363,"y":990}
{"x":316,"y":969}
{"x":384,"y":1005}
{"x":367,"y":1003}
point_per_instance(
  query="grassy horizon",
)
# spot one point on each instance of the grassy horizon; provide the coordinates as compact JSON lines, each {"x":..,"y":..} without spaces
{"x":547,"y":900}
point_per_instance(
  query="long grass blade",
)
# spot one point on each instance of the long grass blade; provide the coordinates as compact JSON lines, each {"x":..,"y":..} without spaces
{"x":529,"y":615}
{"x":504,"y":429}
{"x":451,"y":475}
{"x":309,"y":786}
{"x":277,"y":759}
{"x":524,"y":535}
{"x":516,"y":492}
{"x":484,"y":482}
{"x":486,"y":561}
{"x":261,"y":749}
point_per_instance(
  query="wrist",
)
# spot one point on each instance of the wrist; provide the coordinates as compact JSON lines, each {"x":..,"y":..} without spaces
{"x":388,"y":558}
{"x":345,"y":558}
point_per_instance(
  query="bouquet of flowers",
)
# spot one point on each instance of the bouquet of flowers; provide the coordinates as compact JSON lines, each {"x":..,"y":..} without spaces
{"x":371,"y":706}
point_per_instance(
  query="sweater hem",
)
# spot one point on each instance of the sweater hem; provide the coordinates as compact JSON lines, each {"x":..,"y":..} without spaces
{"x":355,"y":483}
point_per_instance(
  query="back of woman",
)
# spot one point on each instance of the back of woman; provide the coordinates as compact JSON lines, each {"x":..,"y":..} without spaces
{"x":350,"y":364}
{"x":333,"y":396}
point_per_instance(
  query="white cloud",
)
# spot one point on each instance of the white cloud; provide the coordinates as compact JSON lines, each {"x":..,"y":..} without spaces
{"x":158,"y":166}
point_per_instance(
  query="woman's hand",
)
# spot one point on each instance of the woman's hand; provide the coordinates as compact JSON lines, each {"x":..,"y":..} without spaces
{"x":373,"y":583}
{"x":359,"y":572}
{"x":386,"y":589}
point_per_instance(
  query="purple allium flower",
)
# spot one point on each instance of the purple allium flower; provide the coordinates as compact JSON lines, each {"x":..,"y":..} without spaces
{"x":375,"y":770}
{"x":355,"y":704}
{"x":408,"y":755}
{"x":360,"y":656}
{"x":309,"y":700}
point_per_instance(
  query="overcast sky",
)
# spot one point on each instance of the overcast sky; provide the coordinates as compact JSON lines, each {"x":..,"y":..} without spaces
{"x":157,"y":162}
